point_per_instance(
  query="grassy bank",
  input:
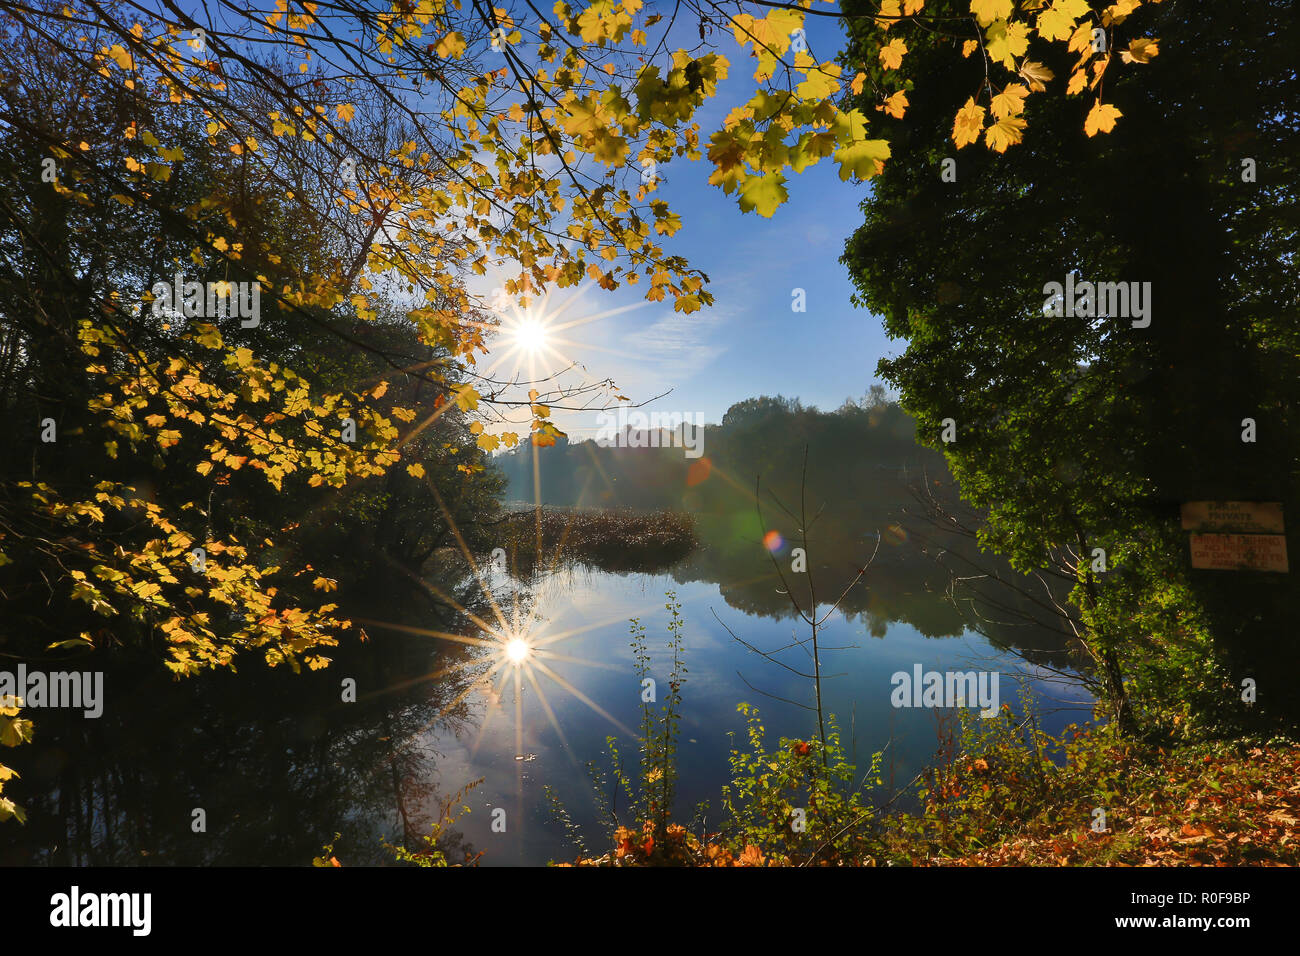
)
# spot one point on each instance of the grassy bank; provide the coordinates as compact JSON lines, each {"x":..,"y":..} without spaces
{"x":612,"y":539}
{"x":1086,"y":799}
{"x":998,"y":792}
{"x":1111,"y":802}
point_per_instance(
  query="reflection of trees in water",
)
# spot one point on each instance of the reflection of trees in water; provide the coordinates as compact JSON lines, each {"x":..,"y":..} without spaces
{"x":277,"y":760}
{"x":866,"y":466}
{"x":1028,"y":614}
{"x":928,"y":573}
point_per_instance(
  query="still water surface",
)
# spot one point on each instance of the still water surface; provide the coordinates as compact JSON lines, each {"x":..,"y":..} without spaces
{"x":279,"y":764}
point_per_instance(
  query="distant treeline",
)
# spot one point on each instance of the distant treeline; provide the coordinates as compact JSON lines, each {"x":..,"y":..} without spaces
{"x":763,"y":438}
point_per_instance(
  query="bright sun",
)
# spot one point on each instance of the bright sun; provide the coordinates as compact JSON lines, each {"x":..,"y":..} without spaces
{"x":516,"y":650}
{"x":530,"y":335}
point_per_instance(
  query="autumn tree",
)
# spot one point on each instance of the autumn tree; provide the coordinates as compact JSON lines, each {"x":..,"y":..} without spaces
{"x":154,"y":502}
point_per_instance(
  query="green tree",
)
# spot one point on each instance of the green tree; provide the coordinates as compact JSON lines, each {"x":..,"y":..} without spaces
{"x":1087,"y":432}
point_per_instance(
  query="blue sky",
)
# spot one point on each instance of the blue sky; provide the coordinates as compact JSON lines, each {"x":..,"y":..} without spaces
{"x":749,"y":342}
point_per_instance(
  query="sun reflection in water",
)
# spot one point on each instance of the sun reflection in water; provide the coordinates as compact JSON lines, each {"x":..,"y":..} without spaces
{"x":516,"y":650}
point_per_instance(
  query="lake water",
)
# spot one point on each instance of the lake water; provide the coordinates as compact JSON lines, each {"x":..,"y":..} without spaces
{"x":278,"y":763}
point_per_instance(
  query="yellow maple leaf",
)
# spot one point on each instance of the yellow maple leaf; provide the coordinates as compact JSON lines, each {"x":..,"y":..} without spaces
{"x":968,"y":123}
{"x":761,"y":194}
{"x":1036,"y":75}
{"x":821,"y":82}
{"x":1098,"y":69}
{"x":121,"y":57}
{"x":986,"y":11}
{"x":1005,"y":132}
{"x":891,"y":55}
{"x":1007,"y":42}
{"x":466,"y":397}
{"x":1119,"y":12}
{"x":1055,"y":22}
{"x":345,"y":111}
{"x":856,"y":85}
{"x":451,"y":46}
{"x":1081,"y":40}
{"x":415,"y":471}
{"x":896,"y":105}
{"x":1140,"y":51}
{"x":1010,"y":102}
{"x":1101,"y":118}
{"x":862,"y":159}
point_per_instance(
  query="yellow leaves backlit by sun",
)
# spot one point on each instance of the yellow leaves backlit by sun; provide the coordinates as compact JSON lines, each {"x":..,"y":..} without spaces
{"x":970,"y":120}
{"x":891,"y":56}
{"x":1101,"y":119}
{"x":896,"y":105}
{"x":986,"y":11}
{"x":1140,"y":51}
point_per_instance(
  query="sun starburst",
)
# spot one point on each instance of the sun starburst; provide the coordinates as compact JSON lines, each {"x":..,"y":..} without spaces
{"x":516,"y":650}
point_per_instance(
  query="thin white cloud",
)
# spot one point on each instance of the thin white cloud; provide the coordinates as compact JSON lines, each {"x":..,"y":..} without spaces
{"x":677,"y":346}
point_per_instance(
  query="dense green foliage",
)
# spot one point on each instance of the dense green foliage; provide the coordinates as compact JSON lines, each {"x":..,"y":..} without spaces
{"x":1078,"y":433}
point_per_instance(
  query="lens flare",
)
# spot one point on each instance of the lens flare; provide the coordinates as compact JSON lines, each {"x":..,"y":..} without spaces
{"x":772,"y":541}
{"x":698,"y":472}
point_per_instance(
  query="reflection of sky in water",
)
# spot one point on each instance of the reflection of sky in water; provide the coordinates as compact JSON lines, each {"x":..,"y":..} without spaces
{"x":596,"y":607}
